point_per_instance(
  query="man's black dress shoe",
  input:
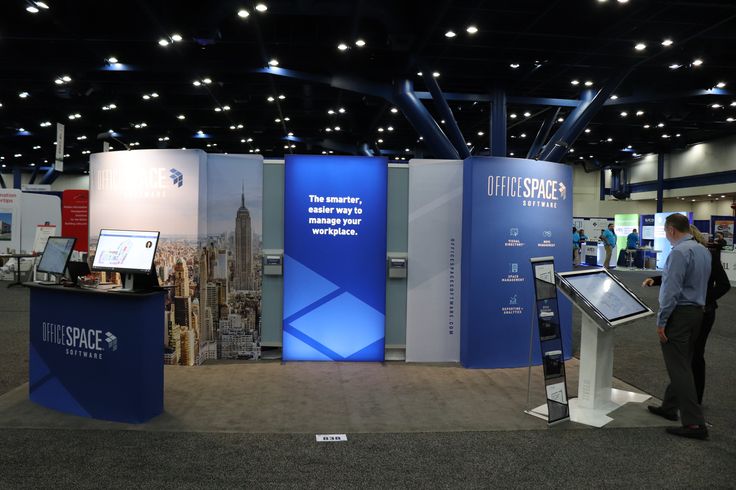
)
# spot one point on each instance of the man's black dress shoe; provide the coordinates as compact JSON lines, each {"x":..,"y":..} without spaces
{"x":662,"y":413}
{"x":699,"y":432}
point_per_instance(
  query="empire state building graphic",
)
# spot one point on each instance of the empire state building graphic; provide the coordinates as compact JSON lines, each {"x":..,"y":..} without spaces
{"x":243,"y":248}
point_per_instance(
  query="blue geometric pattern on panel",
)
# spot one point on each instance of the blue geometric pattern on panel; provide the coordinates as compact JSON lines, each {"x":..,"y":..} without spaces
{"x":366,"y":325}
{"x":306,"y":287}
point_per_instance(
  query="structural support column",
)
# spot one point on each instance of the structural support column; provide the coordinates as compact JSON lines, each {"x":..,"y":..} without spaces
{"x":421,"y":119}
{"x":498,"y":123}
{"x":603,"y":185}
{"x":660,"y":181}
{"x":16,"y":177}
{"x":543,"y":134}
{"x":453,"y":130}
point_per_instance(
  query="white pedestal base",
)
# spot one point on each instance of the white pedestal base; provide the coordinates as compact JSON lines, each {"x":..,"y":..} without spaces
{"x":595,"y":417}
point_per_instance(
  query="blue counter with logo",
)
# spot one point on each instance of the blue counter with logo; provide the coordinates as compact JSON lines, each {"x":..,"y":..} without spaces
{"x":97,"y":354}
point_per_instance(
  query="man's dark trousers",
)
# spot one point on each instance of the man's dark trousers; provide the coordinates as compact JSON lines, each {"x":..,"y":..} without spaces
{"x":683,"y":327}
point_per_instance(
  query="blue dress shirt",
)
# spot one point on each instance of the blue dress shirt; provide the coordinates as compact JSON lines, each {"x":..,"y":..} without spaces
{"x":609,"y":238}
{"x":632,"y":241}
{"x":684,"y":279}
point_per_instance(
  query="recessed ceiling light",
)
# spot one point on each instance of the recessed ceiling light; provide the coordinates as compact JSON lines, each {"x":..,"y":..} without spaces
{"x":624,"y":113}
{"x":697,"y":62}
{"x":436,"y":74}
{"x":607,"y":139}
{"x":623,"y":1}
{"x":639,"y":113}
{"x":514,"y":65}
{"x":574,"y":82}
{"x":527,"y":114}
{"x":32,"y":9}
{"x":450,"y":34}
{"x":207,"y":81}
{"x":282,"y":97}
{"x":715,"y":106}
{"x":270,"y":98}
{"x":667,"y":42}
{"x":113,"y":60}
{"x":390,"y":128}
{"x":587,"y":130}
{"x":721,"y":84}
{"x":660,"y":125}
{"x":588,"y":83}
{"x":342,"y":46}
{"x":341,"y":110}
{"x":330,"y":111}
{"x":640,"y":46}
{"x":196,"y":83}
{"x":181,"y":117}
{"x":471,"y":30}
{"x":176,"y":38}
{"x":560,"y":119}
{"x":394,"y":110}
{"x":23,"y":95}
{"x":647,"y":126}
{"x":261,"y":7}
{"x":513,"y":115}
{"x":273,"y":62}
{"x":243,"y":14}
{"x":163,"y":42}
{"x":481,"y":133}
{"x":614,"y":97}
{"x":730,"y":119}
{"x":360,"y":43}
{"x":674,"y":66}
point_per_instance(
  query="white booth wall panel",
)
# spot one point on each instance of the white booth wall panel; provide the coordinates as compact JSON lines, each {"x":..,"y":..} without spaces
{"x":645,"y":170}
{"x":69,"y":181}
{"x":706,"y":209}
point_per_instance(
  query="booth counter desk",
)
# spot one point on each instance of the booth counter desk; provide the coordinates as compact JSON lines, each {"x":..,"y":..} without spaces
{"x":97,"y":354}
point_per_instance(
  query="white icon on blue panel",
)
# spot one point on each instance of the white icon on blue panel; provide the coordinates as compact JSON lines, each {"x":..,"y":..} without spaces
{"x":513,"y":232}
{"x":547,"y":233}
{"x":512,"y":300}
{"x":514,"y":267}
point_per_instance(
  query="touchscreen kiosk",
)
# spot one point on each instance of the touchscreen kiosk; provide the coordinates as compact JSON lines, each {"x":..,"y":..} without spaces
{"x":56,"y":255}
{"x":603,"y":297}
{"x":128,"y":252}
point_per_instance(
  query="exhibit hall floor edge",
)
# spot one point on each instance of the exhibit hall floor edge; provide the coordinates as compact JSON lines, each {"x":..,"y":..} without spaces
{"x":407,"y":425}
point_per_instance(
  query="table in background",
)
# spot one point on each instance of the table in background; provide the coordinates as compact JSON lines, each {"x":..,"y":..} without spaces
{"x":17,"y":257}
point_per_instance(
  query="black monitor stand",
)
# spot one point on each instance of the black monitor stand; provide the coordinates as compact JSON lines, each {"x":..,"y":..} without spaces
{"x":137,"y":282}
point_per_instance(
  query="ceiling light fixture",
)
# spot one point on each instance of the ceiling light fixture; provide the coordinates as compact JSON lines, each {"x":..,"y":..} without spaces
{"x":243,"y":14}
{"x":720,"y":84}
{"x":450,"y":34}
{"x":667,"y":42}
{"x":270,"y":98}
{"x":436,"y":74}
{"x":273,"y":62}
{"x":176,"y":38}
{"x":640,"y":46}
{"x":574,"y":82}
{"x":342,"y":47}
{"x":360,"y":43}
{"x":588,"y":83}
{"x":697,"y":62}
{"x":261,"y":7}
{"x":113,"y":60}
{"x":163,"y":42}
{"x":674,"y":66}
{"x":23,"y":95}
{"x":514,"y":65}
{"x":471,"y":30}
{"x":181,"y":117}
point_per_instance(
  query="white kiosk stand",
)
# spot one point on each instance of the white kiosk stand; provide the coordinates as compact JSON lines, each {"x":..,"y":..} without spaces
{"x":605,"y":304}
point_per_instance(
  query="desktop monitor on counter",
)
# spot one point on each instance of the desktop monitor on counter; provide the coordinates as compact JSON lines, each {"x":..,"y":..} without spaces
{"x":128,"y":252}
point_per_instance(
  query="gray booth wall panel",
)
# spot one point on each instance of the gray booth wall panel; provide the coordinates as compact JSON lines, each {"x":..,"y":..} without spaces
{"x":272,"y":304}
{"x":397,"y":237}
{"x":273,"y":238}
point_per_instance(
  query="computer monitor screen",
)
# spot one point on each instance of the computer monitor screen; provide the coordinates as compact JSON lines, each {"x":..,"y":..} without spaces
{"x":611,"y":299}
{"x":56,"y":255}
{"x":125,"y":251}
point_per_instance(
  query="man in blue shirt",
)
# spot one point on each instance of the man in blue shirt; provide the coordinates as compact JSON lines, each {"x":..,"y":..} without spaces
{"x":632,"y":240}
{"x":681,"y":301}
{"x":609,"y":243}
{"x":575,"y":246}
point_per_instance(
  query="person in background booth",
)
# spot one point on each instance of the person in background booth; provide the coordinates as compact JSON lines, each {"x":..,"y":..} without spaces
{"x":681,"y":300}
{"x":720,"y":240}
{"x":632,"y":240}
{"x":718,"y":285}
{"x":575,"y":246}
{"x":609,"y":243}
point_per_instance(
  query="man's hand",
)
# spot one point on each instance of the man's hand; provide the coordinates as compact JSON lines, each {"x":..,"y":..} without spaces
{"x":648,"y":282}
{"x":662,"y":336}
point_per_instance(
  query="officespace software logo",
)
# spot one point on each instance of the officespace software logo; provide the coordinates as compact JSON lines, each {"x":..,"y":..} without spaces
{"x":532,"y":191}
{"x":88,"y":343}
{"x":177,"y":178}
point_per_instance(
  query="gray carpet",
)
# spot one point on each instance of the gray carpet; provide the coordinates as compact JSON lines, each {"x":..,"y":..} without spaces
{"x":554,"y":457}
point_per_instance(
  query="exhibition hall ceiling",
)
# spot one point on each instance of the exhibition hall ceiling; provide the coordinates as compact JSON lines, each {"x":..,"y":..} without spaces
{"x":168,"y":74}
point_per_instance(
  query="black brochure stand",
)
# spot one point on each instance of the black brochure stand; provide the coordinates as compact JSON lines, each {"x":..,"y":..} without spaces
{"x":547,"y":321}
